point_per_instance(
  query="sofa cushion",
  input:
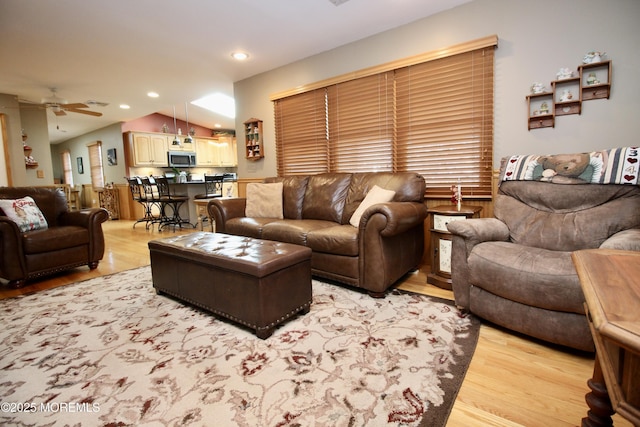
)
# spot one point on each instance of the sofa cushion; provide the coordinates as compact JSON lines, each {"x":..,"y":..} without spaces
{"x":250,"y":227}
{"x":531,"y":276}
{"x":325,"y":196}
{"x":337,"y":240}
{"x":25,"y":213}
{"x":264,"y":200}
{"x":54,"y":239}
{"x":293,"y":230}
{"x":293,"y":190}
{"x":374,"y":196}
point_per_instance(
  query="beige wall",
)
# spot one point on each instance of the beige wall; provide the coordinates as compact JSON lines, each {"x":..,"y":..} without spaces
{"x":535,"y":40}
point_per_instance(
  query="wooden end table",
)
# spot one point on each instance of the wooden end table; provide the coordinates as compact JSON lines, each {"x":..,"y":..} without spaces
{"x":440,"y":255}
{"x":610,"y":281}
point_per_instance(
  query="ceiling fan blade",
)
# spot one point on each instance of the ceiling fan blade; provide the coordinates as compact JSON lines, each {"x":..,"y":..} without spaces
{"x":77,"y":105}
{"x":89,"y":113}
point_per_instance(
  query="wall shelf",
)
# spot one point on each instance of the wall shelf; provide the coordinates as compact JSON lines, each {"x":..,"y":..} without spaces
{"x":254,"y":147}
{"x":567,"y":95}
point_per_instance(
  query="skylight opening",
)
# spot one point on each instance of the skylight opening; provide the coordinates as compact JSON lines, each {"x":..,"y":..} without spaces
{"x":218,"y":103}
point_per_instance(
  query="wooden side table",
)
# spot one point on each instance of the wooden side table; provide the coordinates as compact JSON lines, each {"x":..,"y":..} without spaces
{"x":440,"y":254}
{"x":610,"y":281}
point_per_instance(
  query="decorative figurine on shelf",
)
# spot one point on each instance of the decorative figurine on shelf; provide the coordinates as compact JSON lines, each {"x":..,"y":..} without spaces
{"x":592,"y":79}
{"x":593,"y":57}
{"x":537,"y":88}
{"x":544,"y":108}
{"x":165,"y":128}
{"x":566,"y":96}
{"x":564,"y":73}
{"x":456,"y":194}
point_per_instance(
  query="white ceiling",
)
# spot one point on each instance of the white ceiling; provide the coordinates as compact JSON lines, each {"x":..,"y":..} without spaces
{"x":117,"y":51}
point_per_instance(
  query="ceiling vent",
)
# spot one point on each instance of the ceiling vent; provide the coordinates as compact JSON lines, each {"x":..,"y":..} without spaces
{"x":338,"y":2}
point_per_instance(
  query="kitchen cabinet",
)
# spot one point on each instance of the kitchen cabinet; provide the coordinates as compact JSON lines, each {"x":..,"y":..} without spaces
{"x":147,"y":149}
{"x":216,"y":152}
{"x":228,"y":153}
{"x":184,"y":144}
{"x":207,"y":153}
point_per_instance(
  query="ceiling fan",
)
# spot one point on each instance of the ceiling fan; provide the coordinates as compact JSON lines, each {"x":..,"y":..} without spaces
{"x":60,"y":107}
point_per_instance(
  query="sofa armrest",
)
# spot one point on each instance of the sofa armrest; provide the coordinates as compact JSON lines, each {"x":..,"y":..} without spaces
{"x":391,"y":242}
{"x":11,"y":259}
{"x":627,"y":240}
{"x":398,"y":217}
{"x":92,"y":220}
{"x":465,"y":235}
{"x":87,"y":218}
{"x":222,"y":210}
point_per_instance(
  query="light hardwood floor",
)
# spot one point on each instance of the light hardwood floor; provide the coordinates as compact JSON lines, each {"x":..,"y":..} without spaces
{"x":512,"y":380}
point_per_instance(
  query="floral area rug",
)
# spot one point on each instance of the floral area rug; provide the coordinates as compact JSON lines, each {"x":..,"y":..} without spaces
{"x":110,"y":352}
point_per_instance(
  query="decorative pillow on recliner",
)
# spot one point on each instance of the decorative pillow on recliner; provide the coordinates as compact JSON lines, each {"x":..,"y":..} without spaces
{"x":375,"y":195}
{"x":25,"y":213}
{"x":264,"y":201}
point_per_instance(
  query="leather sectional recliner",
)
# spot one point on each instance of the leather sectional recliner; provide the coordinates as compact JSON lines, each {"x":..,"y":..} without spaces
{"x":387,"y":244}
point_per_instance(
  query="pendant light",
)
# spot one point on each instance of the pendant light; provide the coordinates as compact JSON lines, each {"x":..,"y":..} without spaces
{"x":176,"y":140}
{"x":187,"y":139}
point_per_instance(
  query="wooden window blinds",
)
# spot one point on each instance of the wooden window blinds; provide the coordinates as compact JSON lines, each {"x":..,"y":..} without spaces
{"x":434,"y":118}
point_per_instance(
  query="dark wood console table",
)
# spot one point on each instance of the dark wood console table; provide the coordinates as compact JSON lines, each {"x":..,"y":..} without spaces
{"x":610,"y":280}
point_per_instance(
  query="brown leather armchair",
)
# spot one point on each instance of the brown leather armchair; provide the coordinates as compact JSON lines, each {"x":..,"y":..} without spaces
{"x":72,"y":238}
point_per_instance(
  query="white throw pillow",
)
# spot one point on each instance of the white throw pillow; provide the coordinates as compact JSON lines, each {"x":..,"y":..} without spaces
{"x":25,"y":213}
{"x":264,"y":201}
{"x":374,"y":196}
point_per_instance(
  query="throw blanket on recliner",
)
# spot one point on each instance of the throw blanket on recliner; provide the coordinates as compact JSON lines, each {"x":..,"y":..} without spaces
{"x":613,"y":166}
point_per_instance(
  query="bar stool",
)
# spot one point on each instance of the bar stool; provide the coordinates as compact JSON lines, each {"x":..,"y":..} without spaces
{"x":212,"y":189}
{"x":173,"y":201}
{"x":138,"y":194}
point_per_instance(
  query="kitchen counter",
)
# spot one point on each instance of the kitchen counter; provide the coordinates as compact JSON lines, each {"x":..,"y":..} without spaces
{"x":193,"y":188}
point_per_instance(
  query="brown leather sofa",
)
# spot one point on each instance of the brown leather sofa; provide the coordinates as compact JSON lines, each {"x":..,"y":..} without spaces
{"x":516,"y":271}
{"x":72,"y":238}
{"x":388,"y":243}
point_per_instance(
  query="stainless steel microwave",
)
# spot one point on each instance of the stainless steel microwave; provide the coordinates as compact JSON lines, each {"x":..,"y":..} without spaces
{"x":182,"y":159}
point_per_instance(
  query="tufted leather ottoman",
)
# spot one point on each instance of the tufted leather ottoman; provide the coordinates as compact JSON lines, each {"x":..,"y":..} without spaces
{"x":258,"y":283}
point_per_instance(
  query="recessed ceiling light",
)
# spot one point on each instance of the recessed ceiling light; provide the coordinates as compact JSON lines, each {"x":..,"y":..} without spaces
{"x":124,"y":106}
{"x":152,"y":94}
{"x":217,"y":125}
{"x":218,"y":103}
{"x":240,"y":56}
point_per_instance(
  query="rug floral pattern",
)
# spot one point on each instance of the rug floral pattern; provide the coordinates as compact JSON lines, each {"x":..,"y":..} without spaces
{"x":110,"y":352}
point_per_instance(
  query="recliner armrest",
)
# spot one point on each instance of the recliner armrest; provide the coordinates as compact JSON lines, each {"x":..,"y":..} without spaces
{"x":627,"y":240}
{"x":478,"y":230}
{"x":467,"y":234}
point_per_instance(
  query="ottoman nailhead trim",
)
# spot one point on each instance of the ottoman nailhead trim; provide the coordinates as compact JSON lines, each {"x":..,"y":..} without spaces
{"x":235,"y":319}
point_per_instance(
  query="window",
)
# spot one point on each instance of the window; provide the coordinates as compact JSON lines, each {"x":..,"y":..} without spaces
{"x":67,"y":172}
{"x":432,"y":116}
{"x":95,"y":162}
